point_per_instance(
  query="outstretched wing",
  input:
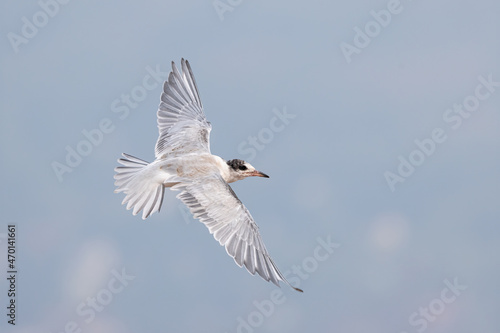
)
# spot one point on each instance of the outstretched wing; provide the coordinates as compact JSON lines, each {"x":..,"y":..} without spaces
{"x":182,"y":124}
{"x":213,"y":202}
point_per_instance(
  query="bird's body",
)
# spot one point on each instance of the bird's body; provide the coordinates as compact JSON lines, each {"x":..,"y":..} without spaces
{"x":196,"y":166}
{"x":184,"y":163}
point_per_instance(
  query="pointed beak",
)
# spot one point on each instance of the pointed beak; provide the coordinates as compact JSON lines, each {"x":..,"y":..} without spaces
{"x":258,"y":174}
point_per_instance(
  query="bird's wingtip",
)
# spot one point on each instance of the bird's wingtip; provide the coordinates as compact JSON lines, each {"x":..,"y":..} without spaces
{"x":298,"y":289}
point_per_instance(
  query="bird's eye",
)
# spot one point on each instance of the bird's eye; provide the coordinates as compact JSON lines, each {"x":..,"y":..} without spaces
{"x":242,"y":167}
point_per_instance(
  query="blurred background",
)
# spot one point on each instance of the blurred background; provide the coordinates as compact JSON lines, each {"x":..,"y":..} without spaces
{"x":384,"y":234}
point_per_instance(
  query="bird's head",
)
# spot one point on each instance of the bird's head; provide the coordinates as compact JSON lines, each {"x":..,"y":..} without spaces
{"x":239,"y":169}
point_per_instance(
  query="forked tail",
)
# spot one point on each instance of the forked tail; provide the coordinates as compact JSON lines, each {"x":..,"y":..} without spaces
{"x":144,"y":191}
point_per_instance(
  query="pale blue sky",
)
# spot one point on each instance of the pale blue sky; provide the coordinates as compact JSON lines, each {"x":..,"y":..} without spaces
{"x":350,"y":123}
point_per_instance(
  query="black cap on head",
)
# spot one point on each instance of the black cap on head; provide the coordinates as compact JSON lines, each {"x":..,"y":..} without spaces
{"x":235,"y":164}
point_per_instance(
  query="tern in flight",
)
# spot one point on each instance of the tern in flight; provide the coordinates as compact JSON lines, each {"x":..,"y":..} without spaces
{"x":184,"y":163}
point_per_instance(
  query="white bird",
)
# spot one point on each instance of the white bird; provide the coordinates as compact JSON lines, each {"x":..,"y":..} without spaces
{"x":184,"y":162}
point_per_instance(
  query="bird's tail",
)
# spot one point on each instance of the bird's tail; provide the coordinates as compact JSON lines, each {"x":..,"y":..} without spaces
{"x":143,"y":190}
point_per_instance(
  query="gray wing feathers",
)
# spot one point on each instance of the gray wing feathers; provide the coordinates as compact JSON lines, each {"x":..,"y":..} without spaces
{"x":183,"y":127}
{"x":212,"y":201}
